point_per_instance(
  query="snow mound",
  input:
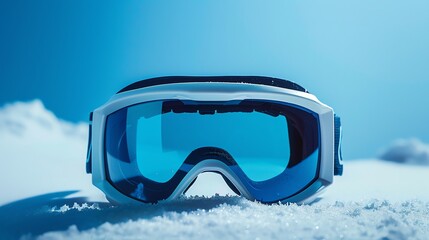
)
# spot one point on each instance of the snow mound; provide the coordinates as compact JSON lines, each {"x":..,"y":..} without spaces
{"x":408,"y":151}
{"x":33,"y":120}
{"x":39,"y":153}
{"x":372,"y":219}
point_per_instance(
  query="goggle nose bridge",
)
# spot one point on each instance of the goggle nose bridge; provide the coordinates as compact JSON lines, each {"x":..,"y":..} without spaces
{"x":210,"y":159}
{"x":212,"y":153}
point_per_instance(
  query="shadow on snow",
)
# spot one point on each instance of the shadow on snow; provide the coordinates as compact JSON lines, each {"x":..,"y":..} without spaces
{"x":34,"y":216}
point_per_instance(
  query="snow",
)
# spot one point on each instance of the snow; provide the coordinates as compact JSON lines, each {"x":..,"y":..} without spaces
{"x":410,"y":151}
{"x":369,"y":179}
{"x":241,"y":219}
{"x":42,"y":168}
{"x":40,"y":153}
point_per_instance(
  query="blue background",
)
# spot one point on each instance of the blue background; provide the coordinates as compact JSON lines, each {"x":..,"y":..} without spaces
{"x":367,"y":59}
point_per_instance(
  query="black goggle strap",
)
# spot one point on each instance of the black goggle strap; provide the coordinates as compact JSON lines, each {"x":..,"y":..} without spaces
{"x":89,"y":149}
{"x":338,"y":166}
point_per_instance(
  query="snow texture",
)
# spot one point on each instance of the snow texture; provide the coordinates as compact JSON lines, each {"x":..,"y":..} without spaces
{"x":409,"y":151}
{"x":236,"y":218}
{"x":47,"y":195}
{"x":39,"y":153}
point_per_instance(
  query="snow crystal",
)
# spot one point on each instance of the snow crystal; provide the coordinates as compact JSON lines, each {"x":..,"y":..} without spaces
{"x":76,"y":206}
{"x":372,"y":219}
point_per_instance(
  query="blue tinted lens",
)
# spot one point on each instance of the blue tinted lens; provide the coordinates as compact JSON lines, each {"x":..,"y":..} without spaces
{"x":274,"y":147}
{"x":258,"y":142}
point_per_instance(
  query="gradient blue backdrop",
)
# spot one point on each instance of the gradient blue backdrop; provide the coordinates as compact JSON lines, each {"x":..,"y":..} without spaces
{"x":367,"y":59}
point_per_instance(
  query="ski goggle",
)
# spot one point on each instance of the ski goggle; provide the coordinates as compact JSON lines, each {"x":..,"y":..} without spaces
{"x":268,"y":138}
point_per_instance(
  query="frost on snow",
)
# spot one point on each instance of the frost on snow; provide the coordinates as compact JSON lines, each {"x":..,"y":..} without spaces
{"x":76,"y":206}
{"x":238,"y":218}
